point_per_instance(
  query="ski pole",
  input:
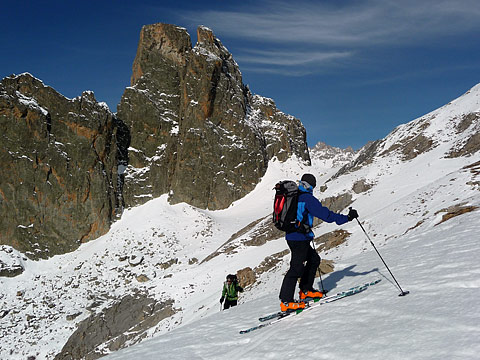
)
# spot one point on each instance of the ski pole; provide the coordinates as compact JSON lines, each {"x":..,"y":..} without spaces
{"x":324,"y":292}
{"x":403,"y":293}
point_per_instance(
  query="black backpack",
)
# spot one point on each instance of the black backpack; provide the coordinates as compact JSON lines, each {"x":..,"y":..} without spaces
{"x":285,"y":206}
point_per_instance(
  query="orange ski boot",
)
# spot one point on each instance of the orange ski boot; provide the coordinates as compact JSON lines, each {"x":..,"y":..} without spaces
{"x":292,"y":306}
{"x":310,"y":294}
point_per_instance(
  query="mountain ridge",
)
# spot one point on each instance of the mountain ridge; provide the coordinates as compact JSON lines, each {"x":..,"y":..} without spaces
{"x":187,"y":127}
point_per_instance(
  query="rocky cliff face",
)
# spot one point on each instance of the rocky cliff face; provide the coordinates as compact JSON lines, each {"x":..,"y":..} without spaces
{"x":190,"y":128}
{"x":58,"y":160}
{"x":197,"y":132}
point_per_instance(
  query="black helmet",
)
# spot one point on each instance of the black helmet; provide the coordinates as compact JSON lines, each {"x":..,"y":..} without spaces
{"x":310,"y":179}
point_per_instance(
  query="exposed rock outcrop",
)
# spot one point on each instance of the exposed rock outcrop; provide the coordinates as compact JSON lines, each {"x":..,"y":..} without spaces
{"x":197,"y":131}
{"x":337,"y":203}
{"x":365,"y":156}
{"x":126,"y":321}
{"x":257,"y":233}
{"x":58,"y":160}
{"x":246,"y":277}
{"x":11,"y":262}
{"x":471,"y":144}
{"x":361,"y":186}
{"x":331,"y":240}
{"x":455,"y":210}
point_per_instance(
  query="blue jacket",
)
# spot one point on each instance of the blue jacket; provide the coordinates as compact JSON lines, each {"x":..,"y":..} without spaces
{"x":309,"y":207}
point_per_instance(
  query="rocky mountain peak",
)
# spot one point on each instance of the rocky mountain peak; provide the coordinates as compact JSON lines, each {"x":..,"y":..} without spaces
{"x":207,"y":40}
{"x":160,"y":42}
{"x":187,"y":127}
{"x":197,"y":132}
{"x":205,"y":36}
{"x":322,"y":149}
{"x":330,"y":156}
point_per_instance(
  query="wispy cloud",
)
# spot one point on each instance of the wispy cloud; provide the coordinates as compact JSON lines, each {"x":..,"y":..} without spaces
{"x":359,"y":23}
{"x":289,"y":58}
{"x":337,"y":29}
{"x":289,"y":62}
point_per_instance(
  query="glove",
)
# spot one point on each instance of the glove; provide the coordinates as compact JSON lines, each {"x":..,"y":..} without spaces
{"x":221,"y":300}
{"x":352,"y":214}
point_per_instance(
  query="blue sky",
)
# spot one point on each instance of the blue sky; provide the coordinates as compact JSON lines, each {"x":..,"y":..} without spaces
{"x":350,"y":70}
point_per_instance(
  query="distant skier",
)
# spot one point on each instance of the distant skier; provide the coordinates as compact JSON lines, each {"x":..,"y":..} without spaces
{"x":304,"y":259}
{"x":230,"y":291}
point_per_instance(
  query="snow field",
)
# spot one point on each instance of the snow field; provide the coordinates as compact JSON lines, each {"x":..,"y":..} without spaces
{"x":439,"y":318}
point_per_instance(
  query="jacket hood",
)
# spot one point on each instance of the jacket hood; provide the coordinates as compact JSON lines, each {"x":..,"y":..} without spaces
{"x":305,"y":187}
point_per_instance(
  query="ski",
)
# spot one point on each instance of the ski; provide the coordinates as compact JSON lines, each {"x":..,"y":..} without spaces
{"x":275,"y":320}
{"x":279,"y":316}
{"x":351,"y":291}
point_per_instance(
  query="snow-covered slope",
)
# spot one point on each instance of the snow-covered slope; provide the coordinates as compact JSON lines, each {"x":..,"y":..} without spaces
{"x":422,"y":213}
{"x":156,"y":241}
{"x":438,"y":319}
{"x":423,"y":216}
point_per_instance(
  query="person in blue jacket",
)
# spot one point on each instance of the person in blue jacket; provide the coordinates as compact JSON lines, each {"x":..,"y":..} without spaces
{"x":304,"y":259}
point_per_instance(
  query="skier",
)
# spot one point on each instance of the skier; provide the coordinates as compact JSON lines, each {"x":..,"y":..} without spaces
{"x":230,"y":291}
{"x":304,"y":259}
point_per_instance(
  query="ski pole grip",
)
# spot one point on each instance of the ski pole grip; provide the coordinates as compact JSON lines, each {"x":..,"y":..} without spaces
{"x":350,"y":209}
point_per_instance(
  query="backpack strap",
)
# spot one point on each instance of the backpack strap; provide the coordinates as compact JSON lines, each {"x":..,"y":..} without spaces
{"x":301,"y":225}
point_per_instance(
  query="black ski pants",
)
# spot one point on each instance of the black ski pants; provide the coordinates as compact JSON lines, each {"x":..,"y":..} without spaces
{"x":229,"y":303}
{"x":303,"y":264}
